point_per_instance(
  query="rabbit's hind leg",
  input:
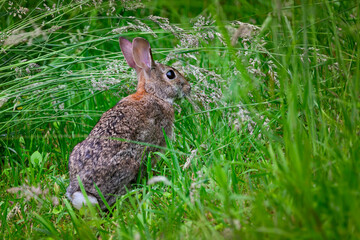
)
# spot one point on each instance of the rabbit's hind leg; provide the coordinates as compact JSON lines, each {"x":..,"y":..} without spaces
{"x":78,"y":200}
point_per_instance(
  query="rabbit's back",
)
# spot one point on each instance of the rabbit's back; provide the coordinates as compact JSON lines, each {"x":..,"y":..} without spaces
{"x":106,"y":158}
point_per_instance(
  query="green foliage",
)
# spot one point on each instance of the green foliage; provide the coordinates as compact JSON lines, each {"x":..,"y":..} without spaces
{"x":266,"y":148}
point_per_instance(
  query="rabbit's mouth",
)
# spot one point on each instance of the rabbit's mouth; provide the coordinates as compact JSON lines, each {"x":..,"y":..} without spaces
{"x":185,"y":91}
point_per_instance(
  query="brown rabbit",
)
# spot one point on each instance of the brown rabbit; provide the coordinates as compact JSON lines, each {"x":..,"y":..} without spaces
{"x":144,"y":116}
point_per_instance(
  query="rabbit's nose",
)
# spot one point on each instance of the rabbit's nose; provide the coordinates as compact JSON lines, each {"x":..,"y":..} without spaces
{"x":186,"y":88}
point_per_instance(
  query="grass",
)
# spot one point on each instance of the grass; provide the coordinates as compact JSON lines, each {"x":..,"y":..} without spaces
{"x":266,"y":148}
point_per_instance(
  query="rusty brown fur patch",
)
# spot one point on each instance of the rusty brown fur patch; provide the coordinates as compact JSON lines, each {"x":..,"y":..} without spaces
{"x":138,"y":95}
{"x":140,"y":91}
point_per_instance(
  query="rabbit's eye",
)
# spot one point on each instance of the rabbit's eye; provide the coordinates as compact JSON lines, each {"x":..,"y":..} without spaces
{"x":170,"y":74}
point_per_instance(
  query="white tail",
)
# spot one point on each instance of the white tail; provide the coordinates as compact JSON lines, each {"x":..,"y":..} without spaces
{"x":78,"y":200}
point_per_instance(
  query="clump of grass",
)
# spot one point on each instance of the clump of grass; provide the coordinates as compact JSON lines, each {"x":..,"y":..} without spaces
{"x":265,"y":148}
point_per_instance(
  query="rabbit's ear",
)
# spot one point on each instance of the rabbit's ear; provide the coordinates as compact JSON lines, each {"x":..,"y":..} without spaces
{"x":142,"y":53}
{"x":126,"y":48}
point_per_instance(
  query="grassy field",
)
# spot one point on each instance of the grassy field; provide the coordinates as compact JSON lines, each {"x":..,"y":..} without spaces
{"x":266,"y":147}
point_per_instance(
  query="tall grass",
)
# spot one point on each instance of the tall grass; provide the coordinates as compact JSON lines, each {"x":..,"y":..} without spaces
{"x":266,"y":147}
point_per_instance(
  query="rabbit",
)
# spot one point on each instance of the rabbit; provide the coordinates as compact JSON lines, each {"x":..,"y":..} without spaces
{"x":106,"y":160}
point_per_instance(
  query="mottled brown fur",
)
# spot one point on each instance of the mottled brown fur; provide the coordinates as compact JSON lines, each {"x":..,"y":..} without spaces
{"x":105,"y":157}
